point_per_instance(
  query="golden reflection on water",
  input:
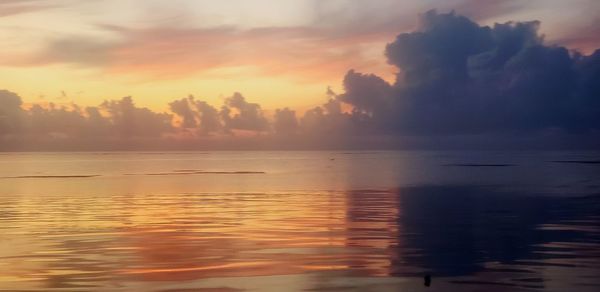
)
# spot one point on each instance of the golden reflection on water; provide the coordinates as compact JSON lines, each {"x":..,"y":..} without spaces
{"x":78,"y":241}
{"x":294,"y":241}
{"x":118,"y":232}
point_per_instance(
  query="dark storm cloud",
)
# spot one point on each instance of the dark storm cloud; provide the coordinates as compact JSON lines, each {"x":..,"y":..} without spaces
{"x":461,"y":78}
{"x":366,"y":92}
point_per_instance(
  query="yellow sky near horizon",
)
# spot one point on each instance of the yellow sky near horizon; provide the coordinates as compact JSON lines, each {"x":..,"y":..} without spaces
{"x":276,"y":53}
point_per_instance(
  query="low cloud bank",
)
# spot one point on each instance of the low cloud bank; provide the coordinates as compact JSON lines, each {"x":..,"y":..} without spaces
{"x":459,"y":85}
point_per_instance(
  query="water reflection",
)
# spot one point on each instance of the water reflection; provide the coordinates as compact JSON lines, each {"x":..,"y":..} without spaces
{"x":464,"y":236}
{"x":499,"y":238}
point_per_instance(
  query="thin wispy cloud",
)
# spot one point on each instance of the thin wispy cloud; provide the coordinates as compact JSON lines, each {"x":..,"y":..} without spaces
{"x":172,"y":52}
{"x":16,"y":7}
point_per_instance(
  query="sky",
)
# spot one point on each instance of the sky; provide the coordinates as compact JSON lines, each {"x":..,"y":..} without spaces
{"x":184,"y":70}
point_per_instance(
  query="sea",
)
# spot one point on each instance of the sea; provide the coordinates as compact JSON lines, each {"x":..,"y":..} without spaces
{"x":300,"y":221}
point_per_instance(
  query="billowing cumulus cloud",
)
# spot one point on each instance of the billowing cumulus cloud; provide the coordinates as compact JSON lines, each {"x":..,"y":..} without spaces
{"x":114,"y":123}
{"x":366,"y":92}
{"x":184,"y":108}
{"x":197,"y":115}
{"x":238,"y":114}
{"x":461,"y":78}
{"x":129,"y":120}
{"x":458,"y":83}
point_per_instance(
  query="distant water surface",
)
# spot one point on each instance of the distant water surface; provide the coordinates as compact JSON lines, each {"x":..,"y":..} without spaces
{"x":300,"y":221}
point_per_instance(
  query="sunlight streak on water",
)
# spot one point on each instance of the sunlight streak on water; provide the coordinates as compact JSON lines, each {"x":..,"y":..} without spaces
{"x":110,"y":242}
{"x":466,"y":236}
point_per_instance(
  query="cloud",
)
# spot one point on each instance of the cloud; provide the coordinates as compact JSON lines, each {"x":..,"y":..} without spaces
{"x":459,"y":83}
{"x":208,"y":117}
{"x":330,"y":122}
{"x":15,"y":7}
{"x":57,"y":121}
{"x":366,"y":92}
{"x":484,"y":10}
{"x":169,"y":52}
{"x":385,"y":18}
{"x":183,"y":108}
{"x":238,"y":114}
{"x":11,"y":114}
{"x":128,"y":120}
{"x":197,"y":115}
{"x":335,"y":36}
{"x":439,"y":51}
{"x":462,"y":78}
{"x":285,"y":122}
{"x":113,"y":123}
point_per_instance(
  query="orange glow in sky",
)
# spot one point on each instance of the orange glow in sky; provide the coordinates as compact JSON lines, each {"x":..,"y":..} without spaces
{"x":277,"y":53}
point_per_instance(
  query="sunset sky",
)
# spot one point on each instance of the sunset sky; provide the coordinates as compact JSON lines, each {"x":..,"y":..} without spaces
{"x":300,"y":145}
{"x":125,"y":74}
{"x":277,"y":53}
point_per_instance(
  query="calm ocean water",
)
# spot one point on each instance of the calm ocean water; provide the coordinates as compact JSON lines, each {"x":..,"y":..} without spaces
{"x":300,"y":221}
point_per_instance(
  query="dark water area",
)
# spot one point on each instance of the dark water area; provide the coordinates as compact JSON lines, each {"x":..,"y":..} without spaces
{"x":246,"y":222}
{"x":457,"y":231}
